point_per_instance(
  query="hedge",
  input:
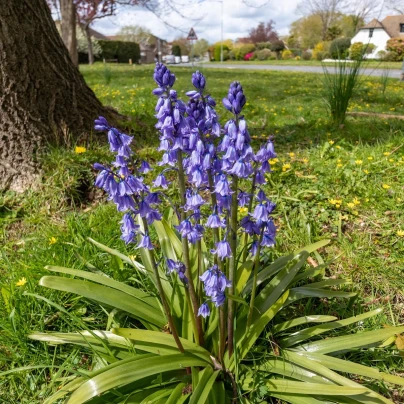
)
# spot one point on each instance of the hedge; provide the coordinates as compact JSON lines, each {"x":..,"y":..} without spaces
{"x":120,"y":50}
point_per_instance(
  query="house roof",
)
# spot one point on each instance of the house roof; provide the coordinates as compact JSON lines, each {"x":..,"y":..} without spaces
{"x":97,"y":35}
{"x":391,"y":24}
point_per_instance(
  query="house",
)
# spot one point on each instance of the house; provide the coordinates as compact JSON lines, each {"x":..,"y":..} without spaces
{"x":379,"y":32}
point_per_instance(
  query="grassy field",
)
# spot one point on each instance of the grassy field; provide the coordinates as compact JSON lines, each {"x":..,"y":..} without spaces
{"x":373,"y":64}
{"x":344,"y":183}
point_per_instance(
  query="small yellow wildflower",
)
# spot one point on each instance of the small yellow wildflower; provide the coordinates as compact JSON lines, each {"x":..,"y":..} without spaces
{"x":285,"y":167}
{"x":370,"y":158}
{"x":52,"y":240}
{"x":305,"y":161}
{"x":386,"y":153}
{"x":350,"y":205}
{"x":337,"y":147}
{"x":366,"y":171}
{"x":21,"y":282}
{"x":273,"y":161}
{"x":398,"y":199}
{"x":358,"y":162}
{"x":339,"y":165}
{"x":391,"y":160}
{"x":243,"y":210}
{"x":132,"y":257}
{"x":386,"y":186}
{"x":331,"y":142}
{"x":356,"y":201}
{"x":291,"y":154}
{"x":80,"y":149}
{"x":400,"y":233}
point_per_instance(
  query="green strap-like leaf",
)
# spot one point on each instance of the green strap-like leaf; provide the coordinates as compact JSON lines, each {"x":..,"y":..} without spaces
{"x":207,"y":378}
{"x":108,"y":296}
{"x":310,"y":332}
{"x":177,"y":396}
{"x":301,"y":320}
{"x":130,"y":371}
{"x":106,"y":281}
{"x":303,"y":388}
{"x":156,"y":396}
{"x":353,"y":341}
{"x":161,"y":343}
{"x":118,"y":254}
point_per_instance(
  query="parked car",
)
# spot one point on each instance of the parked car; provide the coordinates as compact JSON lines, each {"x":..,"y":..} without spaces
{"x":185,"y":59}
{"x":169,"y":59}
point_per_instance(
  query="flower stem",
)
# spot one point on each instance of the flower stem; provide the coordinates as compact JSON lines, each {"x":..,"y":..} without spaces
{"x":163,"y":297}
{"x":185,"y":249}
{"x":232,"y":263}
{"x":254,"y":288}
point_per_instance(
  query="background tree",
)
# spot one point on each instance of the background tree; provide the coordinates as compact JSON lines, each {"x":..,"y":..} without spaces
{"x":395,"y":5}
{"x":361,"y":10}
{"x":277,"y":46}
{"x":43,"y":97}
{"x":201,"y":47}
{"x":326,"y":10}
{"x":263,"y":33}
{"x":333,"y":32}
{"x":184,"y":44}
{"x":308,"y":30}
{"x":136,"y":33}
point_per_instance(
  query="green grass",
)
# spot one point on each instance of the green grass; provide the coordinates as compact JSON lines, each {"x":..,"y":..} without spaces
{"x":344,"y":183}
{"x":374,"y":64}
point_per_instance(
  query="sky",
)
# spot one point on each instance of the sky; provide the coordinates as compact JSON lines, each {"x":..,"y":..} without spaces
{"x":205,"y":17}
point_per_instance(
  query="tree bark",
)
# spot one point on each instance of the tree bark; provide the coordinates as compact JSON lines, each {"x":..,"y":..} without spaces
{"x":68,"y":28}
{"x":89,"y":45}
{"x":43,"y":97}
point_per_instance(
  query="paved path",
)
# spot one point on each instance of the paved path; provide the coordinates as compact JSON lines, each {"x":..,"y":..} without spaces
{"x":394,"y":73}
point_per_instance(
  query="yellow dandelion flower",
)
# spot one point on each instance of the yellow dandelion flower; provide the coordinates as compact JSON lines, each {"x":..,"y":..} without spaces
{"x":359,"y":162}
{"x":386,"y":186}
{"x":331,"y":142}
{"x":305,"y":161}
{"x":337,"y":205}
{"x":370,"y":158}
{"x":243,"y":209}
{"x":285,"y":167}
{"x":391,"y":160}
{"x":366,"y":171}
{"x":398,"y":199}
{"x":339,"y":165}
{"x":80,"y":149}
{"x":350,"y":205}
{"x":337,"y":147}
{"x":52,"y":240}
{"x":386,"y":153}
{"x":292,"y":154}
{"x":356,"y":201}
{"x":21,"y":282}
{"x":400,"y":233}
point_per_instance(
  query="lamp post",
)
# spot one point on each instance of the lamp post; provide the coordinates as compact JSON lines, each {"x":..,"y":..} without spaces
{"x":221,"y":32}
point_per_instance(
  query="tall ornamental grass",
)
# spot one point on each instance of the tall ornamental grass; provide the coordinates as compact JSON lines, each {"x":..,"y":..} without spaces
{"x":213,"y":318}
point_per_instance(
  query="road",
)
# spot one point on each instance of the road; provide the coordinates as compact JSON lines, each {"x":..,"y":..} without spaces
{"x":393,"y":73}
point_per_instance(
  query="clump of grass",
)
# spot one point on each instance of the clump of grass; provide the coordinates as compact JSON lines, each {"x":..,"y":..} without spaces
{"x":339,"y":87}
{"x":384,"y":79}
{"x":107,"y":74}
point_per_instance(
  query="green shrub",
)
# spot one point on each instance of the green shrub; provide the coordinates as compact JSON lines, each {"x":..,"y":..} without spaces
{"x":277,"y":47}
{"x":322,"y":47}
{"x":218,"y":50}
{"x":245,"y":49}
{"x":356,"y":51}
{"x":396,"y":45}
{"x":287,"y":54}
{"x":263,"y":54}
{"x":296,"y":52}
{"x":176,"y":50}
{"x":381,"y":54}
{"x":306,"y":55}
{"x":263,"y":45}
{"x":120,"y":50}
{"x":391,"y":56}
{"x":319,"y":55}
{"x":339,"y":48}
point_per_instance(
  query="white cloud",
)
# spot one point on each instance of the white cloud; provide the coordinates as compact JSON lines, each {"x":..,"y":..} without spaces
{"x":238,"y":19}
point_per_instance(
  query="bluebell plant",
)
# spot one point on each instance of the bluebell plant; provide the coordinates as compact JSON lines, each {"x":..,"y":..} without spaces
{"x":217,"y":172}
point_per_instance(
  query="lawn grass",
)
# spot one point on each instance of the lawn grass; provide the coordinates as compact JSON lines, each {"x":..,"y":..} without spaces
{"x":344,"y":183}
{"x":374,"y":64}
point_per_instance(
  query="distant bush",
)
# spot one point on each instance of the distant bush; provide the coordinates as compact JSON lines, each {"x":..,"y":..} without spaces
{"x":357,"y":51}
{"x":245,"y":50}
{"x":391,"y":56}
{"x":287,"y":54}
{"x":297,"y":57}
{"x":381,"y":54}
{"x":176,"y":50}
{"x":320,"y":50}
{"x":277,"y":47}
{"x":339,"y":48}
{"x":218,"y":50}
{"x":306,"y":55}
{"x":263,"y":45}
{"x":396,"y":45}
{"x":263,"y":54}
{"x":120,"y":50}
{"x":296,"y":51}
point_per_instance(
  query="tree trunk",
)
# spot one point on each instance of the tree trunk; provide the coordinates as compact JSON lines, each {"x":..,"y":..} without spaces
{"x":89,"y":45}
{"x":43,"y":97}
{"x":68,"y":27}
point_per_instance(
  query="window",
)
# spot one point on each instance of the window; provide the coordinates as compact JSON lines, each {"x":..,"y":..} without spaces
{"x":401,"y":27}
{"x":371,"y":32}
